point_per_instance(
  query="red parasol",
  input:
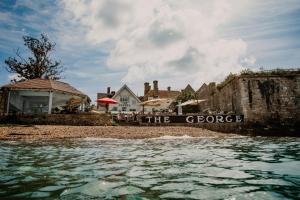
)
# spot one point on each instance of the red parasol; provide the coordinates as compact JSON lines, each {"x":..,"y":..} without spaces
{"x":107,"y":101}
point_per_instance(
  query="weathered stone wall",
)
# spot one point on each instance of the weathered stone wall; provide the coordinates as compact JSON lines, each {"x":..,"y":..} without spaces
{"x":266,"y":101}
{"x":257,"y":97}
{"x":207,"y":92}
{"x":226,"y":99}
{"x":271,"y":99}
{"x":59,"y":119}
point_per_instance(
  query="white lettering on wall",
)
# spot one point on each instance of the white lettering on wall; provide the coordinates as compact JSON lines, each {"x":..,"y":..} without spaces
{"x":219,"y":119}
{"x":157,"y":120}
{"x":189,"y":119}
{"x":166,"y":119}
{"x":238,"y":118}
{"x":210,"y":119}
{"x":228,"y":118}
{"x":200,"y":119}
{"x":149,"y":119}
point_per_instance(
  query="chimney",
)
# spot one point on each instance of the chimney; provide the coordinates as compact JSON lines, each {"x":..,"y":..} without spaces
{"x":169,"y":89}
{"x":146,"y":88}
{"x":108,"y":90}
{"x":155,"y":88}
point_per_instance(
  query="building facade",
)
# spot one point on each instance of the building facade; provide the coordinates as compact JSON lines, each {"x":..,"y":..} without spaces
{"x":127,"y":101}
{"x":167,"y":97}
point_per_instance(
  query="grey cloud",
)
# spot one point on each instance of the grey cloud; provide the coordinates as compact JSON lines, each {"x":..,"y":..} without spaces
{"x":162,"y":37}
{"x":188,"y":61}
{"x":111,"y":12}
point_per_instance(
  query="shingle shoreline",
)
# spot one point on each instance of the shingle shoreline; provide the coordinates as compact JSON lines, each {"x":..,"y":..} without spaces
{"x":16,"y":132}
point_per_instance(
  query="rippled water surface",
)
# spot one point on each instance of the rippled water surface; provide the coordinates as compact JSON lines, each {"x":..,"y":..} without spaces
{"x":235,"y":168}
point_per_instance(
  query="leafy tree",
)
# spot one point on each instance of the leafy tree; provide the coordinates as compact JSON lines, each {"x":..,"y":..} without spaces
{"x":185,"y":96}
{"x":39,"y":64}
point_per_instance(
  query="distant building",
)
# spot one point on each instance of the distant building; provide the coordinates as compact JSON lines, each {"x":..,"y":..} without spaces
{"x":167,"y":96}
{"x":156,"y":93}
{"x":40,"y":96}
{"x":127,"y":101}
{"x":188,"y":89}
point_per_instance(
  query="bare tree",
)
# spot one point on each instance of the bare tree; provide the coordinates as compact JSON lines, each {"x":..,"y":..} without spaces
{"x":39,"y":64}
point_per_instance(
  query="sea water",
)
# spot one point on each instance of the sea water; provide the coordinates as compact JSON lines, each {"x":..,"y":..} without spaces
{"x":163,"y":168}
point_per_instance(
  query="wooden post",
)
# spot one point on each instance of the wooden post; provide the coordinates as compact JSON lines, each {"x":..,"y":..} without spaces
{"x":50,"y":102}
{"x":8,"y":99}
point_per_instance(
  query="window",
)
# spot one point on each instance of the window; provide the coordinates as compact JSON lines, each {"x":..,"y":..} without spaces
{"x":124,"y":98}
{"x":114,"y":109}
{"x":123,"y":108}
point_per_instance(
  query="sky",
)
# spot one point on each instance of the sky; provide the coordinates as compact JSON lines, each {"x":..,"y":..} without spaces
{"x":105,"y":43}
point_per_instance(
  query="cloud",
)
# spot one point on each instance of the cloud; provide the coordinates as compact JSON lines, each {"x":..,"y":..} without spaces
{"x":162,"y":39}
{"x":106,"y":42}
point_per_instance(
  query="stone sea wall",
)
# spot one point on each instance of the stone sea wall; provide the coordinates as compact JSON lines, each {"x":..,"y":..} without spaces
{"x":59,"y":119}
{"x":259,"y":98}
{"x":271,"y":99}
{"x":269,"y":103}
{"x":228,"y":98}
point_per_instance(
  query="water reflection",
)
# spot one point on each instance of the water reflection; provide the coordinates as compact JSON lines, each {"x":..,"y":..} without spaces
{"x":237,"y":168}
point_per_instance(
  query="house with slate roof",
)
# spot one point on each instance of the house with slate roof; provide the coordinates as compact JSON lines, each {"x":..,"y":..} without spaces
{"x":156,"y":93}
{"x":127,"y":101}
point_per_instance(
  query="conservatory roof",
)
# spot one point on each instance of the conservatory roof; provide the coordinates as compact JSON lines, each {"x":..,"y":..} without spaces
{"x":44,"y":84}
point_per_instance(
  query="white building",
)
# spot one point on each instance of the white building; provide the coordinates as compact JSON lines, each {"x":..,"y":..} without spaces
{"x":41,"y":96}
{"x":127,"y":101}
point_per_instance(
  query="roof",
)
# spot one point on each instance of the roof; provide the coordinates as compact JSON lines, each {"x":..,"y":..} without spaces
{"x":189,"y":88}
{"x":164,"y":94}
{"x":201,"y":88}
{"x":44,"y":84}
{"x":126,"y":87}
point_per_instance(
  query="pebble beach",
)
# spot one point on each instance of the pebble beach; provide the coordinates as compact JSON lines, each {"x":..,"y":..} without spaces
{"x":37,"y":132}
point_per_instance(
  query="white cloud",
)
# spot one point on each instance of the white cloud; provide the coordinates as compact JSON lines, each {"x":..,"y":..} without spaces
{"x":162,"y":39}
